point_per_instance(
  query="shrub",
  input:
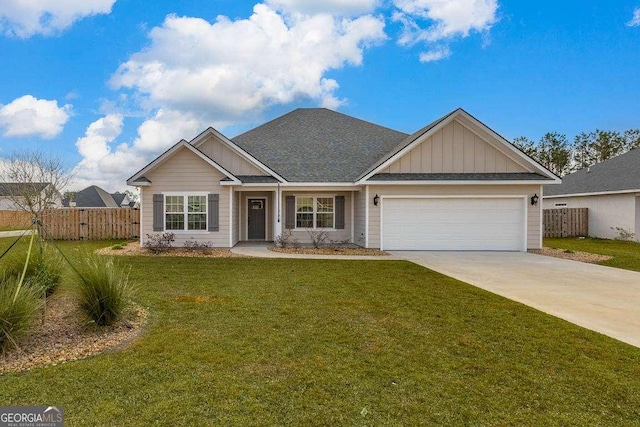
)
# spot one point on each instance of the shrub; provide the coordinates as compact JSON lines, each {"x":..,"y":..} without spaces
{"x":159,"y":242}
{"x":318,"y":237}
{"x":286,"y":240}
{"x":195,"y":246}
{"x":623,"y":234}
{"x":104,"y":290}
{"x":17,"y":312}
{"x":43,"y":273}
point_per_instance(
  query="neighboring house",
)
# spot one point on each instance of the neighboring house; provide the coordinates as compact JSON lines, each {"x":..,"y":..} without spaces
{"x":452,"y":185}
{"x":123,"y":200}
{"x":91,"y":197}
{"x":611,"y":191}
{"x":12,"y":195}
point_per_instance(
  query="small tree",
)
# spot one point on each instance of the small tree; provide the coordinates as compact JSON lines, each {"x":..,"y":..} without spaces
{"x":36,"y":179}
{"x":527,"y":146}
{"x":555,"y":153}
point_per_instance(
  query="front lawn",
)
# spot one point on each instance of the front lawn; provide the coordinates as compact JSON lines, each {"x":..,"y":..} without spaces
{"x":625,"y":254}
{"x":240,"y":341}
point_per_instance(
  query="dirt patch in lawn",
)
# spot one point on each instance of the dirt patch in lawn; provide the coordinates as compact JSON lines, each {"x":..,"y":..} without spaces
{"x":66,"y":335}
{"x":134,"y":249}
{"x":330,"y":250}
{"x":575,"y":256}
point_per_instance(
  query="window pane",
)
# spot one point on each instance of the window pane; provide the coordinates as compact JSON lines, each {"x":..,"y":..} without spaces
{"x":324,"y":220}
{"x":325,"y":204}
{"x":304,"y":204}
{"x":174,"y":204}
{"x":197,"y":204}
{"x":197,"y":221}
{"x":175,"y":222}
{"x":304,"y":220}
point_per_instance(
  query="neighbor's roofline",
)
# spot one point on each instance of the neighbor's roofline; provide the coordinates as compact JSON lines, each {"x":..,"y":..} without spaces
{"x":597,"y":193}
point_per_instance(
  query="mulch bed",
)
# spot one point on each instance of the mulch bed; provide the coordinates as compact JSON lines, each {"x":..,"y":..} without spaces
{"x":330,"y":250}
{"x":574,"y":256}
{"x":134,"y":249}
{"x":66,"y":335}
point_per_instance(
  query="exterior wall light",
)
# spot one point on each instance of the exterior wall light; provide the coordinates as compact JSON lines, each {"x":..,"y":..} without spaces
{"x":376,"y":200}
{"x":534,"y":200}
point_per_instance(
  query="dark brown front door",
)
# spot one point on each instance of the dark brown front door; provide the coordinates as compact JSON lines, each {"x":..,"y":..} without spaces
{"x":255,"y":219}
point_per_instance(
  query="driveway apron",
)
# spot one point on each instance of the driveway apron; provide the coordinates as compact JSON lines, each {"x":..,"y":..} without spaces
{"x":603,"y":299}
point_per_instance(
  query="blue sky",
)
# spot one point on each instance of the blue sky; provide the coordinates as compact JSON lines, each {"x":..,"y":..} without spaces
{"x":109,"y":84}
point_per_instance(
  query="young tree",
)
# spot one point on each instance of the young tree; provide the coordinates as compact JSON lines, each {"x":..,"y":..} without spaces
{"x":631,"y":139}
{"x":607,"y":144}
{"x":527,"y":146}
{"x":584,"y":154}
{"x":36,"y":180}
{"x":554,"y":152}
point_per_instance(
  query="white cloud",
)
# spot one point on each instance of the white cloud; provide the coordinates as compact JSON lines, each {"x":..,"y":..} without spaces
{"x":24,"y":18}
{"x":108,"y":164}
{"x":227,"y":69}
{"x":435,"y":54}
{"x":28,"y":116}
{"x":635,"y":21}
{"x":437,"y":21}
{"x":334,"y":7}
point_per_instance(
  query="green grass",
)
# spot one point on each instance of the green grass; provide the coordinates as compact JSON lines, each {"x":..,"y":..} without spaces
{"x":625,"y":254}
{"x":312,"y":342}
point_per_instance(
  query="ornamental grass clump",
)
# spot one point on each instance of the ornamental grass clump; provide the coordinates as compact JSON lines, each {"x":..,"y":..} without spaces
{"x":43,"y":271}
{"x":103,"y":289}
{"x":19,"y":308}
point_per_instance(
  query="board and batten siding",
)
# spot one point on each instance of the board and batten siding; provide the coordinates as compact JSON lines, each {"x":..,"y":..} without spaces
{"x":454,"y":149}
{"x":605,"y":211}
{"x":186,"y":172}
{"x":302,"y":235}
{"x":227,"y":158}
{"x":526,"y":191}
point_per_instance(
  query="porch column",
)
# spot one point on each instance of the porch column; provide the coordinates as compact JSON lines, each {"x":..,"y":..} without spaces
{"x":277,"y":217}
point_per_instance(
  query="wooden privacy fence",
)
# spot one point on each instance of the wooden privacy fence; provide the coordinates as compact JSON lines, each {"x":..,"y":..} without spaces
{"x":15,"y":219}
{"x":566,"y":222}
{"x":91,"y":223}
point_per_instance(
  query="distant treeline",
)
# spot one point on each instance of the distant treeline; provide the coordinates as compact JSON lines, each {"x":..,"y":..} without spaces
{"x":562,"y":156}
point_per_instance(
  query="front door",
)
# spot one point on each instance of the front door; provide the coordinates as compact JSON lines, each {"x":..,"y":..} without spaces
{"x":256,"y":219}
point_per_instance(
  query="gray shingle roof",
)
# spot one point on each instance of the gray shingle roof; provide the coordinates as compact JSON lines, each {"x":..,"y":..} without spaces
{"x":511,"y":176}
{"x":319,"y":145}
{"x":18,"y":188}
{"x":93,"y":197}
{"x":617,"y":174}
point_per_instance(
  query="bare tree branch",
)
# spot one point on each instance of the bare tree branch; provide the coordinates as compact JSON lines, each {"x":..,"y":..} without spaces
{"x":34,"y":180}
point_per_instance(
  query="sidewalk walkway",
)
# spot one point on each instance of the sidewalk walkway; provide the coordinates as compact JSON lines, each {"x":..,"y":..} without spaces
{"x":262,"y":251}
{"x":14,"y":233}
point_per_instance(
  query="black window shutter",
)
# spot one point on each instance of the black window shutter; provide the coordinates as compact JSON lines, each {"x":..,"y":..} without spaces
{"x":158,"y":212}
{"x":290,"y":212}
{"x":214,"y":212}
{"x":340,"y":212}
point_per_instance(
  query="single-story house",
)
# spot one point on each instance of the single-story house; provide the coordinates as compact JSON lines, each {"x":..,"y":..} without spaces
{"x":14,"y":195}
{"x":610,"y":190}
{"x":95,"y":197}
{"x":123,"y":200}
{"x":452,"y":185}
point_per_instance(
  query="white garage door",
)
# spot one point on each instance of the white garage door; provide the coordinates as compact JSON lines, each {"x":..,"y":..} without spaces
{"x":494,"y":224}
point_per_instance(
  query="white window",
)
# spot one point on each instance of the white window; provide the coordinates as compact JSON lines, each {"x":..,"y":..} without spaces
{"x":315,"y":212}
{"x":185,"y":212}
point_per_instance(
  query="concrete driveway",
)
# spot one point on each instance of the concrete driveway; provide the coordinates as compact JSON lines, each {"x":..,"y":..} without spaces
{"x":603,"y":299}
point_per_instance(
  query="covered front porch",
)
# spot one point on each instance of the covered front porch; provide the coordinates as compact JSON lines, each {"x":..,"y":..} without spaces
{"x":261,"y":213}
